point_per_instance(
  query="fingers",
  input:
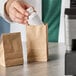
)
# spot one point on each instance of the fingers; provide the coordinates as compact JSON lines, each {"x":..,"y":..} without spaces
{"x":18,"y":13}
{"x":15,"y":13}
{"x":18,"y":17}
{"x":15,"y":19}
{"x":20,"y":21}
{"x":18,"y":7}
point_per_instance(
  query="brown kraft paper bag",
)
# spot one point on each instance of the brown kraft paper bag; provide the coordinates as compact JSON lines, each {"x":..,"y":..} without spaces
{"x":37,"y":43}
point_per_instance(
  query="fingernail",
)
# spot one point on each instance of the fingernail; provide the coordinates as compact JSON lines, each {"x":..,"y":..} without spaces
{"x":26,"y":13}
{"x":25,"y":18}
{"x":25,"y":22}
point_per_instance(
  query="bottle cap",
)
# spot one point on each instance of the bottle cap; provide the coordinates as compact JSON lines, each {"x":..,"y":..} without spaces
{"x":30,"y":10}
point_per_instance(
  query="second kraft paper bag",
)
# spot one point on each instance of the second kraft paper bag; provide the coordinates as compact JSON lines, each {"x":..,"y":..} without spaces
{"x":37,"y":43}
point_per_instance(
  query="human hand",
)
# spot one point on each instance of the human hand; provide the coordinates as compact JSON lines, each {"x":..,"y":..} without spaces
{"x":16,"y":10}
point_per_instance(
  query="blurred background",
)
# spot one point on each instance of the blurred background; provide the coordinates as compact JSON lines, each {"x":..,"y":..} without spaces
{"x":50,"y":11}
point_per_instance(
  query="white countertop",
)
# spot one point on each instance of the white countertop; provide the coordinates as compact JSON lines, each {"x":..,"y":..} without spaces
{"x":54,"y":67}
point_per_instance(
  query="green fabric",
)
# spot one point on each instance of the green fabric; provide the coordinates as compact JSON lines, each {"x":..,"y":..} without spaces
{"x":51,"y":15}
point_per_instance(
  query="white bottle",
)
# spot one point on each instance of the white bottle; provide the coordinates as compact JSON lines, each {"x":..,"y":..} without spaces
{"x":33,"y":17}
